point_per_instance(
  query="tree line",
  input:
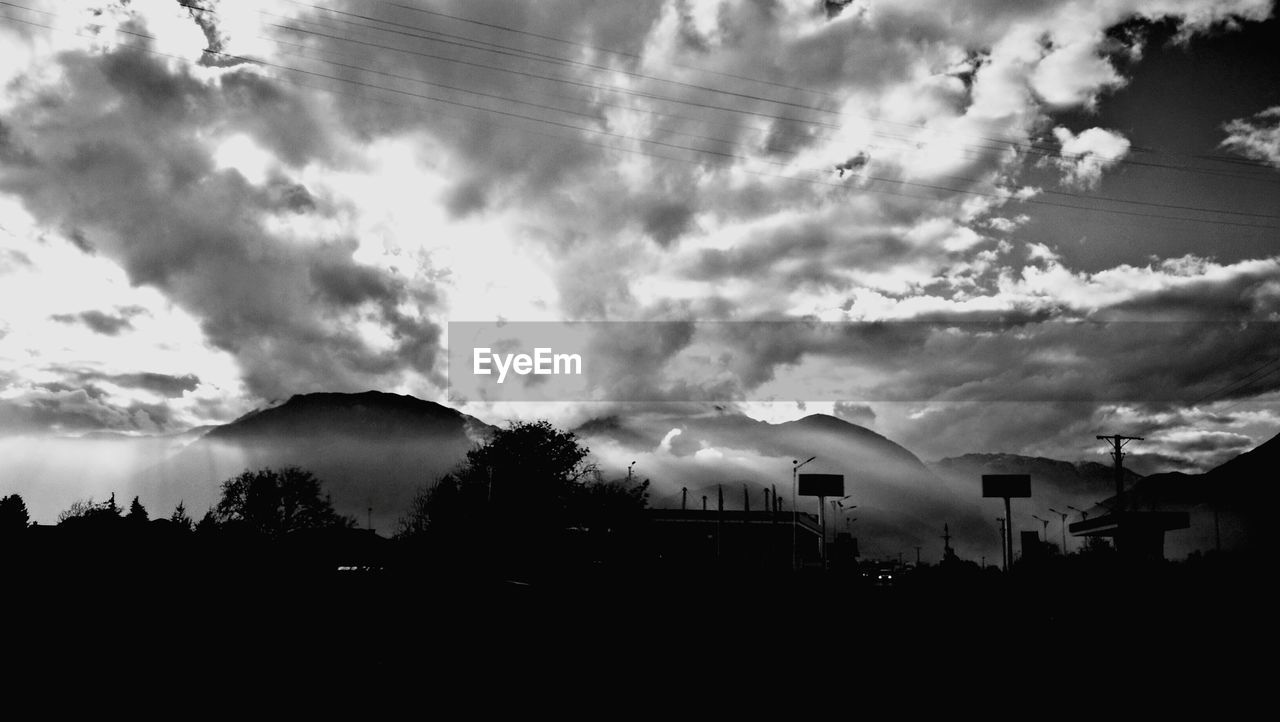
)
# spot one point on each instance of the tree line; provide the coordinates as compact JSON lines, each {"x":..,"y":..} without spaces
{"x":525,"y":502}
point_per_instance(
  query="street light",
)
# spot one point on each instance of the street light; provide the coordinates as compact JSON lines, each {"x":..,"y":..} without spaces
{"x":1064,"y":516}
{"x":1044,"y":532}
{"x":1083,"y":514}
{"x":629,"y":471}
{"x":795,"y":518}
{"x":846,"y":510}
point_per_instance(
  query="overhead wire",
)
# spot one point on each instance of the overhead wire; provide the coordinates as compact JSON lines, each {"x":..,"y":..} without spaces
{"x":734,"y":156}
{"x":1023,"y":146}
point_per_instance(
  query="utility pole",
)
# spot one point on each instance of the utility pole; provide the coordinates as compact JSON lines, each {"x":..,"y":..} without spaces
{"x":1004,"y":548}
{"x":1117,"y":443}
{"x":746,"y":499}
{"x":1044,"y":529}
{"x":684,"y":498}
{"x":917,"y":548}
{"x":795,"y":518}
{"x":1064,"y":528}
{"x":719,"y":518}
{"x":704,"y":502}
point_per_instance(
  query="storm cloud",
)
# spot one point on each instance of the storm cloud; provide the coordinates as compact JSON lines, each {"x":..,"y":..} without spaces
{"x":322,"y":191}
{"x":123,"y":160}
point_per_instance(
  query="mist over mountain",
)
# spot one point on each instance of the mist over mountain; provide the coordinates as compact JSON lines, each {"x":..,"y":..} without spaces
{"x":371,"y":450}
{"x":900,"y":502}
{"x":375,"y":449}
{"x":1086,"y":481}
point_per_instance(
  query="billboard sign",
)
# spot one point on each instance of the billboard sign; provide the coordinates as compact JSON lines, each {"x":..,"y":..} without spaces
{"x":821,"y":485}
{"x":1006,"y":485}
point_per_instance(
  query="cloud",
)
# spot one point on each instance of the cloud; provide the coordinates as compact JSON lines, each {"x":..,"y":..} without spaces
{"x":165,"y":385}
{"x":1257,"y":137}
{"x":65,"y":410}
{"x":688,"y":175}
{"x":1085,"y":156}
{"x":125,"y":161}
{"x":101,"y":322}
{"x":860,"y":414}
{"x":1074,"y":74}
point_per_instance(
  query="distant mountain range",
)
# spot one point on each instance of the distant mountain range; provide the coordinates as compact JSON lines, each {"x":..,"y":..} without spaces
{"x":374,"y":450}
{"x":899,"y":501}
{"x":1088,"y":479}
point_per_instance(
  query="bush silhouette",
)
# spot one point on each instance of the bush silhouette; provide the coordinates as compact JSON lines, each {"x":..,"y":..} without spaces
{"x":276,"y":502}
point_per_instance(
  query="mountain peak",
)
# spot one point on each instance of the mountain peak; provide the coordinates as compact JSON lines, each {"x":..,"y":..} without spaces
{"x":367,"y":413}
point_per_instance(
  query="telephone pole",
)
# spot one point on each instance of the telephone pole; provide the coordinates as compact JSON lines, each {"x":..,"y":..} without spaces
{"x":1004,"y":548}
{"x":1117,"y":443}
{"x":1064,"y":516}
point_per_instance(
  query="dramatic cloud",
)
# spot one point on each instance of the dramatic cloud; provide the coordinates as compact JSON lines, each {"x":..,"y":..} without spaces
{"x":162,"y":384}
{"x":125,"y":161}
{"x":1257,"y":137}
{"x":1087,"y":155}
{"x":315,"y":197}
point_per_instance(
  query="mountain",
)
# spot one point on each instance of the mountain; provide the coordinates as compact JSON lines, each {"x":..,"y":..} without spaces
{"x":1245,"y":482}
{"x":369,"y":449}
{"x":1049,"y":477}
{"x":900,"y":502}
{"x":1228,"y":504}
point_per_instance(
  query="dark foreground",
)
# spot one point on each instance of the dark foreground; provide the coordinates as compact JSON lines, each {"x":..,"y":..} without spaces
{"x":1194,"y":620}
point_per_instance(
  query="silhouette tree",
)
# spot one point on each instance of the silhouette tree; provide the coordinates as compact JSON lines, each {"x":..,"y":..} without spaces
{"x":527,"y":495}
{"x":137,"y":513}
{"x":416,"y":522}
{"x":208,"y":523}
{"x":13,"y":514}
{"x":275,"y":502}
{"x":89,"y":511}
{"x":180,"y":519}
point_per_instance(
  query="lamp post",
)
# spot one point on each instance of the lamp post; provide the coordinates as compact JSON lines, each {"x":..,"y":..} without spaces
{"x":1004,"y":546}
{"x":1044,"y":529}
{"x":795,"y":518}
{"x":1063,"y":520}
{"x":1084,"y":515}
{"x":629,"y":466}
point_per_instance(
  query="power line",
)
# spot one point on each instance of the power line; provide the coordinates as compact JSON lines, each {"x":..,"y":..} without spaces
{"x":1019,"y":145}
{"x":1240,"y":384}
{"x":1030,"y":149}
{"x":812,"y":181}
{"x":1244,"y":401}
{"x":596,"y":48}
{"x":732,"y":142}
{"x":529,"y":54}
{"x":1066,"y":194}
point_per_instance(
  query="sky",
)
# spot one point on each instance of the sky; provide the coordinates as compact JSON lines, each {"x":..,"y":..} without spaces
{"x":1064,"y":213}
